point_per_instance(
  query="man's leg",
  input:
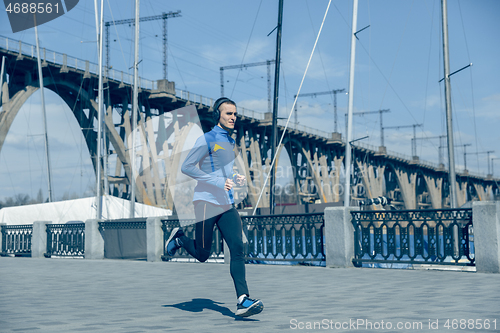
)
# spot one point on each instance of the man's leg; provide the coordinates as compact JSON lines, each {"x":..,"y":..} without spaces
{"x":231,"y":229}
{"x":201,"y":247}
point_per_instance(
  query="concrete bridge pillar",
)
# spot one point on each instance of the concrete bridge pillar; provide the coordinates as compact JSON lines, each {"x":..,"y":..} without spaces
{"x":374,"y":185}
{"x":434,"y":186}
{"x":407,"y":183}
{"x":483,"y":193}
{"x":461,"y":193}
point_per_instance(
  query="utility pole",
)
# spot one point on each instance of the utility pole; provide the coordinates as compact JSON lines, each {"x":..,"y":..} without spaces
{"x":483,"y":152}
{"x":489,"y":152}
{"x":429,"y":138}
{"x":465,"y":155}
{"x":274,"y":133}
{"x":449,"y":122}
{"x":362,"y":113}
{"x":443,"y":145}
{"x":135,"y":112}
{"x":253,"y":64}
{"x":163,"y":16}
{"x":414,"y":141}
{"x":350,"y":106}
{"x":334,"y":92}
{"x":44,"y":113}
{"x":492,"y":165}
{"x":100,"y":111}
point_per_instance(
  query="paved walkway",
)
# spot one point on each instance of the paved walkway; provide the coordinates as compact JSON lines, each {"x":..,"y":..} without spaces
{"x":76,"y":295}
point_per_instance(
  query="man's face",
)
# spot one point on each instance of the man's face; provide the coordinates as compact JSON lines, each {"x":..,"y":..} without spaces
{"x":227,"y":116}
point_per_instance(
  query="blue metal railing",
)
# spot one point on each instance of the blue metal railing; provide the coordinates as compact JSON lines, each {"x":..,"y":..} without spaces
{"x":294,"y":238}
{"x":65,"y":240}
{"x":16,"y":240}
{"x":217,"y":251}
{"x":442,"y":237}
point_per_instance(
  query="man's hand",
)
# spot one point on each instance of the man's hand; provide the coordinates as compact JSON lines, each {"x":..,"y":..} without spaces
{"x":228,"y":185}
{"x":240,"y":180}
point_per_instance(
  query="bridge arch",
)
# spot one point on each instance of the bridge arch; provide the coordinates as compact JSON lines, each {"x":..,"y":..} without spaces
{"x":80,"y":99}
{"x":68,"y":92}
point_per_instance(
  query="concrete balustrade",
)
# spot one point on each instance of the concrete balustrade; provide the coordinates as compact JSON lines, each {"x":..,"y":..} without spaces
{"x":339,"y":237}
{"x":94,"y":243}
{"x":39,"y":239}
{"x":154,"y":238}
{"x":486,"y":223}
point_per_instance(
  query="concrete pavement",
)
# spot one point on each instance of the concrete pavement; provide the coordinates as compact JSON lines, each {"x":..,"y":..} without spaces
{"x":77,"y":295}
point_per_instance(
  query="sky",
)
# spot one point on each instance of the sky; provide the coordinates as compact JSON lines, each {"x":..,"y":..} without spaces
{"x":399,"y":62}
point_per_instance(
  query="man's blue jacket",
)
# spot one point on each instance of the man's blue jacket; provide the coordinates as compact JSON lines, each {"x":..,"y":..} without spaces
{"x":210,"y":162}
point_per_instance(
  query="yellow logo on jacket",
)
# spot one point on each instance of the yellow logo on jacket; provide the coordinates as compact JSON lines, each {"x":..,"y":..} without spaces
{"x":217,"y":147}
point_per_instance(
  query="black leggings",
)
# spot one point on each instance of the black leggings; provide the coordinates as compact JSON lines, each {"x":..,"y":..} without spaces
{"x":229,"y":222}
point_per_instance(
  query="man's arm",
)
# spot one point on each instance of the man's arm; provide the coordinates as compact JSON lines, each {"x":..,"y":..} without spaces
{"x":190,"y":168}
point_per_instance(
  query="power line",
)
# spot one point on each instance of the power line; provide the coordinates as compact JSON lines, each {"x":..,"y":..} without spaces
{"x":253,"y":64}
{"x":414,"y":141}
{"x":163,"y":16}
{"x":381,"y":122}
{"x":314,"y":94}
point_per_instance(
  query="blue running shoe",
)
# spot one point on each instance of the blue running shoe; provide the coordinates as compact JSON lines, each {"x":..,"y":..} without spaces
{"x":173,"y":242}
{"x":249,"y":307}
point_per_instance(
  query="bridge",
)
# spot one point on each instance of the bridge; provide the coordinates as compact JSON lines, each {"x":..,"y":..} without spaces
{"x":316,"y":156}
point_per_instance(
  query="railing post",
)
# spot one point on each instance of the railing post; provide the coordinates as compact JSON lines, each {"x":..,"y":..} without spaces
{"x":154,"y":239}
{"x":1,"y":236}
{"x":486,"y":225}
{"x":20,"y":54}
{"x":339,"y":237}
{"x":64,"y":68}
{"x":39,"y":239}
{"x":94,"y":243}
{"x":44,"y":62}
{"x":87,"y":70}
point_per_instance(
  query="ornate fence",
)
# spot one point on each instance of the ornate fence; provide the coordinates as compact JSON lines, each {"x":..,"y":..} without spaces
{"x":65,"y":240}
{"x":269,"y":238}
{"x":442,"y":237}
{"x":16,"y":240}
{"x":217,"y":243}
{"x":290,"y":238}
{"x":123,"y":224}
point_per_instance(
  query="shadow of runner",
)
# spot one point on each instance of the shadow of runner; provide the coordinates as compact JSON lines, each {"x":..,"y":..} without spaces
{"x":200,"y":304}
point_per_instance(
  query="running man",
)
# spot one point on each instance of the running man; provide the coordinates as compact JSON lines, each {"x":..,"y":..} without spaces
{"x":210,"y":162}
